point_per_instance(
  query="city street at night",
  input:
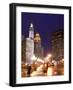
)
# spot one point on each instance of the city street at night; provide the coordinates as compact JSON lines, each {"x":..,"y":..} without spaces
{"x":43,"y":69}
{"x":42,"y":51}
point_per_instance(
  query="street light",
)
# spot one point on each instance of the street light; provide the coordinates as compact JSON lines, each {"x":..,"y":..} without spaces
{"x":33,"y":58}
{"x":49,"y":55}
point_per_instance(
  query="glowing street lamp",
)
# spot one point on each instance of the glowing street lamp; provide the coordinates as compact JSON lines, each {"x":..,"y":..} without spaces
{"x":33,"y":58}
{"x":49,"y":55}
{"x":63,"y":60}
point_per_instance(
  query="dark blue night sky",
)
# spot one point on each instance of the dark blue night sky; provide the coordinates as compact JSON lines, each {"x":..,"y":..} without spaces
{"x":45,"y":24}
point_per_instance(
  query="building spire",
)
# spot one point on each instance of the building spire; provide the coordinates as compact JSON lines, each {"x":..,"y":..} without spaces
{"x":31,"y":25}
{"x":31,"y":31}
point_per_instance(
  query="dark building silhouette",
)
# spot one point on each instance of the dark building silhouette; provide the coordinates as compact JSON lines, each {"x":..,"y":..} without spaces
{"x":58,"y":45}
{"x":23,"y":50}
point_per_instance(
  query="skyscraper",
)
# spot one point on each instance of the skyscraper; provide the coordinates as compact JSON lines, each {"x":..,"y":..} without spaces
{"x":30,"y":45}
{"x":58,"y":45}
{"x":38,"y":50}
{"x":29,"y":50}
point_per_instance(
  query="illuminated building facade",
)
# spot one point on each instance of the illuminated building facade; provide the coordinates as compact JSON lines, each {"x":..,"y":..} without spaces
{"x":38,"y":50}
{"x":29,"y":50}
{"x":30,"y":45}
{"x":58,"y":45}
{"x":31,"y":31}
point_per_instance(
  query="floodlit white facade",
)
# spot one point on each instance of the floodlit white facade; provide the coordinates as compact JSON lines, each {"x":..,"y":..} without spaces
{"x":30,"y":45}
{"x":31,"y":31}
{"x":29,"y":50}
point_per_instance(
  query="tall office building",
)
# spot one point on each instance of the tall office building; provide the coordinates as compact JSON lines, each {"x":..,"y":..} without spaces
{"x":30,"y":45}
{"x":29,"y":50}
{"x":38,"y":50}
{"x":58,"y":45}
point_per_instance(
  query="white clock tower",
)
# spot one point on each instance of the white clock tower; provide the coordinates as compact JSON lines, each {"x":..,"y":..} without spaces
{"x":31,"y":31}
{"x":30,"y":45}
